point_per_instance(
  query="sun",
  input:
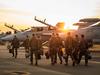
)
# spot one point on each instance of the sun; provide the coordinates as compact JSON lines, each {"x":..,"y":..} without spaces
{"x":69,"y":26}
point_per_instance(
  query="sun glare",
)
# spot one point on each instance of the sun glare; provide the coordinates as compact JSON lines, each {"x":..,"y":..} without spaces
{"x":69,"y":27}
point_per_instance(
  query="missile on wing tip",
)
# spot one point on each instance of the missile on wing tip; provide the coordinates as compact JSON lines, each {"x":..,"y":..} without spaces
{"x":44,"y":20}
{"x":35,"y":17}
{"x":12,"y":26}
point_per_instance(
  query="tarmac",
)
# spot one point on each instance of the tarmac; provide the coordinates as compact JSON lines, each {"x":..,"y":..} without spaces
{"x":21,"y":65}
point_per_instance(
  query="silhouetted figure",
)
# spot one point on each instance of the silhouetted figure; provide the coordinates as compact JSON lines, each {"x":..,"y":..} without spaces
{"x":76,"y":50}
{"x":53,"y":48}
{"x":15,"y":45}
{"x":34,"y":49}
{"x":69,"y":47}
{"x":40,"y":50}
{"x":83,"y":50}
{"x":59,"y":48}
{"x":26,"y":46}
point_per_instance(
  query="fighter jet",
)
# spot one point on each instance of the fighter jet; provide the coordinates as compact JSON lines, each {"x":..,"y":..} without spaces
{"x":44,"y":32}
{"x":91,"y":32}
{"x":86,"y":22}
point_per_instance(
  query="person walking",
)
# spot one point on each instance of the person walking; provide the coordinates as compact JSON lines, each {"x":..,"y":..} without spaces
{"x":40,"y":50}
{"x":75,"y":52}
{"x":52,"y":48}
{"x":15,"y":45}
{"x":26,"y":46}
{"x":59,"y":47}
{"x":34,"y":49}
{"x":69,"y":47}
{"x":83,"y":45}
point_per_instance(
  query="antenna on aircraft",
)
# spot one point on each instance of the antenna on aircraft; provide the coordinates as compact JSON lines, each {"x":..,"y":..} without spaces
{"x":35,"y":18}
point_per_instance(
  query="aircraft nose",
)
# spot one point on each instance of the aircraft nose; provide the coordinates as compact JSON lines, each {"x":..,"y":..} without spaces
{"x":7,"y":38}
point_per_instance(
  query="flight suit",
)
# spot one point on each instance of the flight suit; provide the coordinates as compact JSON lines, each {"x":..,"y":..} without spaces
{"x":26,"y":46}
{"x":69,"y":47}
{"x":83,"y":45}
{"x":52,"y":49}
{"x":15,"y":45}
{"x":40,"y":50}
{"x":75,"y":50}
{"x":34,"y":50}
{"x":59,"y":49}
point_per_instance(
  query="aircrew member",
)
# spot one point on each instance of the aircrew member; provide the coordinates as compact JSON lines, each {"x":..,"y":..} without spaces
{"x":83,"y":50}
{"x":26,"y":45}
{"x":69,"y":46}
{"x":34,"y":49}
{"x":52,"y":48}
{"x":15,"y":45}
{"x":59,"y":48}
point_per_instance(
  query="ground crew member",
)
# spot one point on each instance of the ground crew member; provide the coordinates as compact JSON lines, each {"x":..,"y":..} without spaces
{"x":52,"y":48}
{"x":15,"y":45}
{"x":34,"y":49}
{"x":83,"y":50}
{"x":69,"y":46}
{"x":26,"y":46}
{"x":59,"y":48}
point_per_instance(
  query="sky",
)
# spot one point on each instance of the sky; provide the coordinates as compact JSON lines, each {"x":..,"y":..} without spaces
{"x":22,"y":12}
